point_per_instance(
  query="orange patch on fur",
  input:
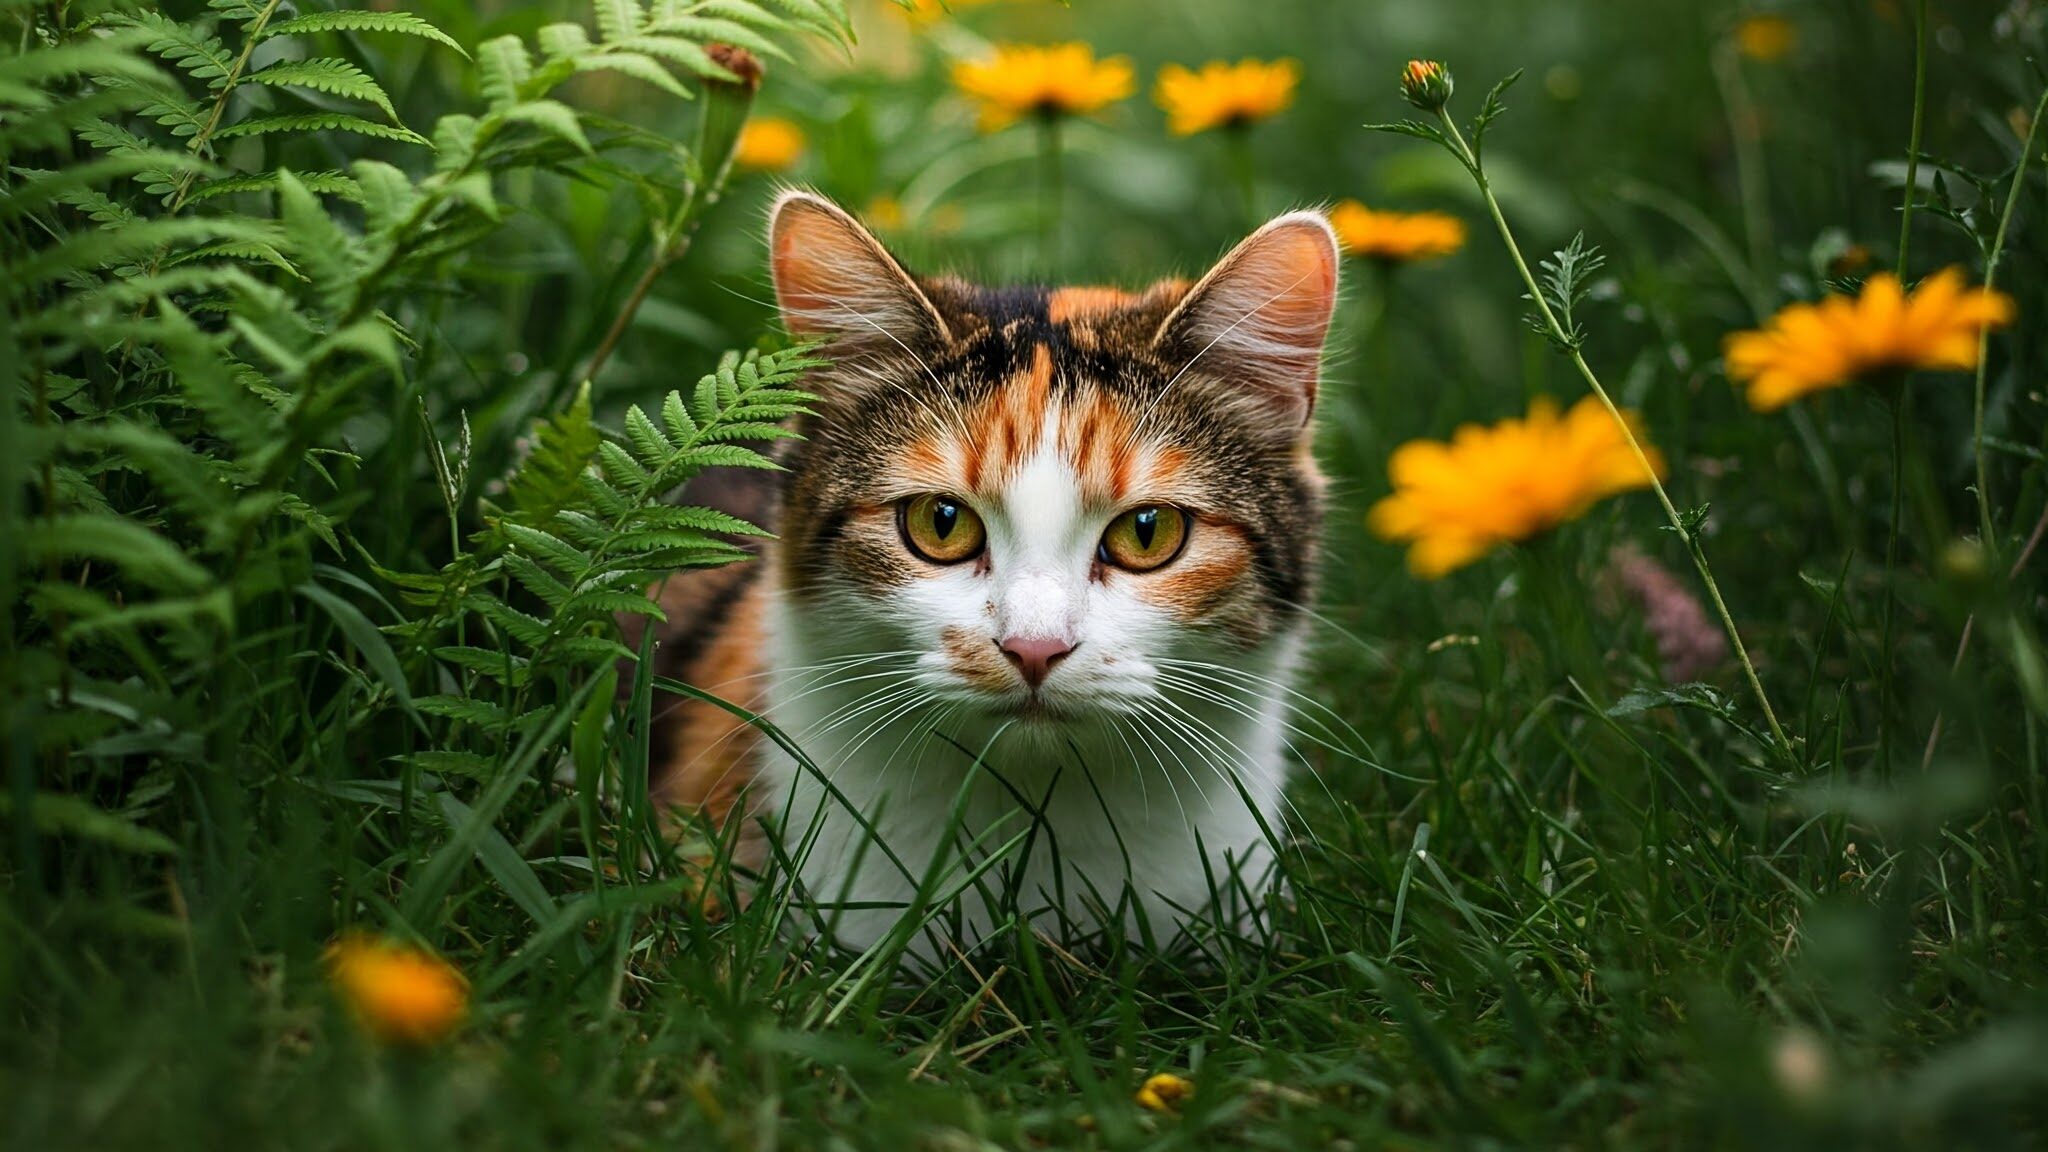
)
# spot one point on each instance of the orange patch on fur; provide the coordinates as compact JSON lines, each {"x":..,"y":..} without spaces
{"x":975,"y":660}
{"x":1196,"y":584}
{"x":1064,"y":304}
{"x":711,"y":751}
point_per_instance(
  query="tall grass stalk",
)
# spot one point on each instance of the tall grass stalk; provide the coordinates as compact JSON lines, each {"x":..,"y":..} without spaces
{"x":1557,"y":331}
{"x":1902,"y":398}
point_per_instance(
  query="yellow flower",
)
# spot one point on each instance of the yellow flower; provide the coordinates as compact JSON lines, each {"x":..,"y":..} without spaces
{"x":1224,"y":94}
{"x":1396,"y":237}
{"x":1164,"y":1092}
{"x":1053,"y":80}
{"x":1811,"y":347}
{"x":1489,"y":486}
{"x":400,"y":993}
{"x":1766,"y":38}
{"x":768,"y":144}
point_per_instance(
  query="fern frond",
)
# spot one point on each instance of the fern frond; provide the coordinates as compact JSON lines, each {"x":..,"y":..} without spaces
{"x":618,"y":19}
{"x":201,"y":57}
{"x":711,"y":29}
{"x":637,"y":66}
{"x":329,"y":74}
{"x":326,"y":183}
{"x":503,"y":65}
{"x":320,"y":122}
{"x":401,"y":23}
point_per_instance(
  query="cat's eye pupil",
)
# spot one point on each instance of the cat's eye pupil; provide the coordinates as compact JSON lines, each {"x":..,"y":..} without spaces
{"x":1145,"y":526}
{"x":944,"y":517}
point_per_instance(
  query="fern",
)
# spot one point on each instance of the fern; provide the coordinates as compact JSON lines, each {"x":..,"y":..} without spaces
{"x":224,"y":242}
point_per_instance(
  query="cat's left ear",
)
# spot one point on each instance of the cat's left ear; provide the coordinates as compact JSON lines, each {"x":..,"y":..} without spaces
{"x":1261,"y":313}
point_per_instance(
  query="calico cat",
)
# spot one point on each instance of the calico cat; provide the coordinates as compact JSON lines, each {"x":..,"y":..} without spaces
{"x":1035,"y":597}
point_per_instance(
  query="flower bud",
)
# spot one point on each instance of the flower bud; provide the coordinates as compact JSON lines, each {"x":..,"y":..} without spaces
{"x":1426,"y":84}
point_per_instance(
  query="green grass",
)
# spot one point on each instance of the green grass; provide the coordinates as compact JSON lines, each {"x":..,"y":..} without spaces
{"x":1533,"y":910}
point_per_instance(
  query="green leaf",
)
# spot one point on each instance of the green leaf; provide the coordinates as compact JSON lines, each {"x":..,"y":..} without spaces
{"x":637,"y":66}
{"x":618,"y":19}
{"x":136,"y":550}
{"x":310,"y":122}
{"x":368,"y":641}
{"x":401,"y":23}
{"x":502,"y":66}
{"x":331,"y":75}
{"x":58,"y":814}
{"x":552,"y":117}
{"x":549,"y":478}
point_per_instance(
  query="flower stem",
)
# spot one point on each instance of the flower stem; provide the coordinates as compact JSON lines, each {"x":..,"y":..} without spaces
{"x":2012,"y":200}
{"x":1891,"y":560}
{"x":1051,"y":192}
{"x":1557,"y":331}
{"x":1238,"y":139}
{"x":1913,"y":145}
{"x":1891,"y":544}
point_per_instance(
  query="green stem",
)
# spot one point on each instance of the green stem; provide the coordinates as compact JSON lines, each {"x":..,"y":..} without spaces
{"x":1913,"y":147}
{"x":1557,"y":331}
{"x":2012,"y":200}
{"x":1750,"y":177}
{"x":1051,"y":193}
{"x":1891,"y":544}
{"x":1238,"y":141}
{"x":1891,"y":560}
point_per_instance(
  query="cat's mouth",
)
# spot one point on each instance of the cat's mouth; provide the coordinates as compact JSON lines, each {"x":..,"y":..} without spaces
{"x":1032,"y":708}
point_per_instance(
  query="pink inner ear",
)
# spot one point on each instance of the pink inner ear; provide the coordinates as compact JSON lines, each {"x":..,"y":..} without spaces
{"x":1266,"y":309}
{"x":833,"y":279}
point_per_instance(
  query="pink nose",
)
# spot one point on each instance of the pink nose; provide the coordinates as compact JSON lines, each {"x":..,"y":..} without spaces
{"x":1034,"y":656}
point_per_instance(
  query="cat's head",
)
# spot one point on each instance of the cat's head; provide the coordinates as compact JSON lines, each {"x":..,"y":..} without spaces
{"x":1046,"y":497}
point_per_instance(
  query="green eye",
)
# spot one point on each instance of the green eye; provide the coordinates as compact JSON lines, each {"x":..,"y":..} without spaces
{"x":940,"y":529}
{"x":1144,"y":538}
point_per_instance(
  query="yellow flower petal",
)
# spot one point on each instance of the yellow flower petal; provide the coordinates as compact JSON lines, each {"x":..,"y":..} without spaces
{"x":1494,"y":484}
{"x":400,"y":993}
{"x":1050,"y":80}
{"x":1224,"y":94}
{"x":1809,"y":348}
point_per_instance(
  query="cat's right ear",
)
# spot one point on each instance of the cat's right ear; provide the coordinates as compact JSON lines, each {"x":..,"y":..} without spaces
{"x":834,"y":280}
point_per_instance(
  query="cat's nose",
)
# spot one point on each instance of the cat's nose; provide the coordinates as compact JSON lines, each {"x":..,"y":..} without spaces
{"x":1034,"y":656}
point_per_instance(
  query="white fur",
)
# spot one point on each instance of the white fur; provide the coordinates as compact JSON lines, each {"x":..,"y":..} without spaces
{"x":1166,"y":791}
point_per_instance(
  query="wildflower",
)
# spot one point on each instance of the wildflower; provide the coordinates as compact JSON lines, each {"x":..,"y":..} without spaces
{"x":1811,"y":347}
{"x":1426,"y":84}
{"x":400,"y":993}
{"x":1688,"y":645}
{"x":1489,"y":486}
{"x":1396,"y":237}
{"x":1766,"y":39}
{"x":1225,"y":95}
{"x":1164,"y":1092}
{"x":884,"y":213}
{"x":769,"y":144}
{"x":1053,"y":80}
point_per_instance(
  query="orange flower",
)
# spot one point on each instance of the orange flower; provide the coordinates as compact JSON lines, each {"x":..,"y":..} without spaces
{"x":1767,"y":39}
{"x":1225,"y":95}
{"x":1056,"y":80}
{"x":1808,"y":348}
{"x":1396,"y":237}
{"x":1455,"y":502}
{"x":401,"y":993}
{"x":1164,"y":1092}
{"x":768,"y":144}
